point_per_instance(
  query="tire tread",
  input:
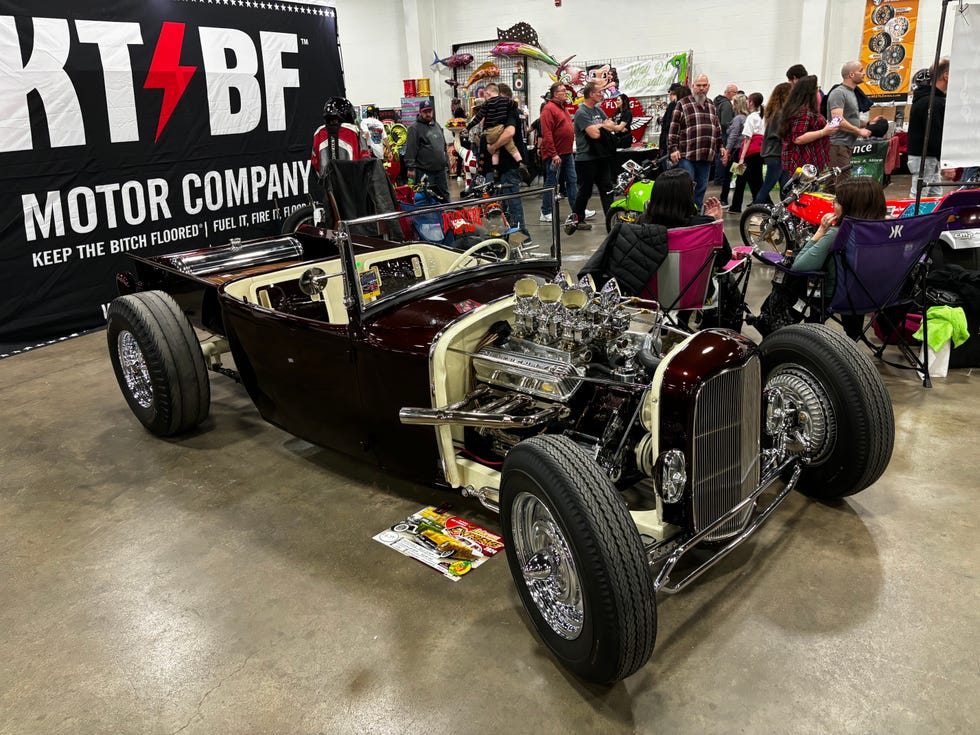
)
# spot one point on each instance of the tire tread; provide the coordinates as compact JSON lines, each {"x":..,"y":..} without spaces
{"x":864,"y":394}
{"x":178,"y":374}
{"x":601,"y":522}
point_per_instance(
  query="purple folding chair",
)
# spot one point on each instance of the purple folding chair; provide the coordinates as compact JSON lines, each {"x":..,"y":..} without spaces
{"x":882,"y":264}
{"x":681,"y":282}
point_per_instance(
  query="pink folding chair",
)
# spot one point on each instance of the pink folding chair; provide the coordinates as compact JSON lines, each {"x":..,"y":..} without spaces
{"x":681,"y":282}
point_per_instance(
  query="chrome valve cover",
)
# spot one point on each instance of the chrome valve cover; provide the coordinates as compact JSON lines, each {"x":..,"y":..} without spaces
{"x":530,"y":368}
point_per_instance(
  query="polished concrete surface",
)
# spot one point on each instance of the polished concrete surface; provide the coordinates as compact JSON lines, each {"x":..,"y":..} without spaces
{"x":227,"y":582}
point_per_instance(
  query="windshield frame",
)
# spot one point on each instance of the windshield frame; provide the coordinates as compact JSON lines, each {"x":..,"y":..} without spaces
{"x":358,"y":309}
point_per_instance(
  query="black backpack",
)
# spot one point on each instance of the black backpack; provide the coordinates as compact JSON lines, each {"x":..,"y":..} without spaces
{"x":954,"y":285}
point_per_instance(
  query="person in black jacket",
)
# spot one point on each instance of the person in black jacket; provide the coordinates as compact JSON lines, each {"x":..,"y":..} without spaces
{"x":677,"y":91}
{"x":723,"y":104}
{"x":917,"y":131}
{"x":509,"y":172}
{"x":672,"y":205}
{"x":426,"y":152}
{"x":624,"y":114}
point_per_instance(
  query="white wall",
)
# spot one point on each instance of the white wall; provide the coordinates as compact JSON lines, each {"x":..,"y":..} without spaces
{"x":748,"y":42}
{"x":373,"y":45}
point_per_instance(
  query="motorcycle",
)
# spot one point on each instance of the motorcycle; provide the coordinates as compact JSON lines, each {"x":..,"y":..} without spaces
{"x":633,"y":186}
{"x":489,"y":219}
{"x":462,"y":227}
{"x":792,"y":221}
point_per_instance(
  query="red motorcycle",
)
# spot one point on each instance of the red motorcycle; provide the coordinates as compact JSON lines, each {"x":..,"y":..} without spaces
{"x":793,"y":220}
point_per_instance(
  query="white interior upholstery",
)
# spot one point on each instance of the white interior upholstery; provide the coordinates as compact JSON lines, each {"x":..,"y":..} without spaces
{"x":435,"y":261}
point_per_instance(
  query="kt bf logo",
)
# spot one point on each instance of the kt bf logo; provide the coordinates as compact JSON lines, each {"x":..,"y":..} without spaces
{"x":230,"y":66}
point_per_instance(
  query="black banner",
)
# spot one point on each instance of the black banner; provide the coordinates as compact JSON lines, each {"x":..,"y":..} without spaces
{"x":146,"y":126}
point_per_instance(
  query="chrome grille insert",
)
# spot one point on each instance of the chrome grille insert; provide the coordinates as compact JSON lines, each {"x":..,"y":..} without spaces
{"x":725,"y":454}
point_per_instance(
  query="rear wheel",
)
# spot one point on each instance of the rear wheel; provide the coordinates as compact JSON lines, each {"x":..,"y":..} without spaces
{"x":760,"y":230}
{"x":158,"y":362}
{"x":827,"y":402}
{"x":620,"y":215}
{"x":302,"y":216}
{"x":577,"y":559}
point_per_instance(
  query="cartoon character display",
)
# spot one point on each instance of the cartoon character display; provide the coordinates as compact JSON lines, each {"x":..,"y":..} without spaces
{"x":605,"y":77}
{"x":570,"y":76}
{"x":679,"y":63}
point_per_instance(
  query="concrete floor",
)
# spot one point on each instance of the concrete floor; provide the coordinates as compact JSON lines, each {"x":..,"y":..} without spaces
{"x":227,"y":582}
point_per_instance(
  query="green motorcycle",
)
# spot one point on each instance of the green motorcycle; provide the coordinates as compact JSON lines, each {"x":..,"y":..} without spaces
{"x":633,"y":186}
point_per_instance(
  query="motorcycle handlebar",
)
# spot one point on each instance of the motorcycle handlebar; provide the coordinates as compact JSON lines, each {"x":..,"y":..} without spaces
{"x":658,"y":162}
{"x":835,"y":171}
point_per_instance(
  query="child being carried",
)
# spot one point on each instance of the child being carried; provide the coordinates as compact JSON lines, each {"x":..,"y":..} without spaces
{"x":497,"y":104}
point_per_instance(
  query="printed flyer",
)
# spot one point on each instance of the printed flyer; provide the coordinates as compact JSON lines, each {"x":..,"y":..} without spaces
{"x":450,"y":545}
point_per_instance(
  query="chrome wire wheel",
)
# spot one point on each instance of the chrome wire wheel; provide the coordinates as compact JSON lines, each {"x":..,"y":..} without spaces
{"x":800,"y":409}
{"x":548,"y":566}
{"x":134,"y":369}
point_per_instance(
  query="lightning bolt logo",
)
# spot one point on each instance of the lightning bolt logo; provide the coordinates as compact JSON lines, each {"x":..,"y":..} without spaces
{"x":166,"y":73}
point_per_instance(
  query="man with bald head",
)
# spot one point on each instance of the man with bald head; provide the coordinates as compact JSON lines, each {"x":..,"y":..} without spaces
{"x":695,"y":135}
{"x":842,"y":104}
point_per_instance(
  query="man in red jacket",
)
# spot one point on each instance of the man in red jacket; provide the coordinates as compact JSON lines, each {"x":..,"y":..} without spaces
{"x":557,"y":138}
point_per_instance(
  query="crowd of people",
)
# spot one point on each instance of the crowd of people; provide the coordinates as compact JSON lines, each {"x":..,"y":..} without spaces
{"x":739,"y":139}
{"x":762,"y":142}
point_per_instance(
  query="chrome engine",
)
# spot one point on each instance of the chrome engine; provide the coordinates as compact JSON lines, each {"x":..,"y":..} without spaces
{"x":568,"y":362}
{"x":577,"y":328}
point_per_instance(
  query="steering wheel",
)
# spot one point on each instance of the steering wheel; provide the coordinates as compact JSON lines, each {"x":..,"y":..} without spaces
{"x":467,"y":254}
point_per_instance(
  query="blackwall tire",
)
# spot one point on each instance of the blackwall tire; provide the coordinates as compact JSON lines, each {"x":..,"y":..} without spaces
{"x":750,"y":227}
{"x":620,"y":215}
{"x":302,"y":216}
{"x":577,"y":560}
{"x":845,"y":393}
{"x":158,"y":362}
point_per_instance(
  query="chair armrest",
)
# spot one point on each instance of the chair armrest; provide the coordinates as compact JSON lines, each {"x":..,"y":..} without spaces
{"x":766,"y":256}
{"x":732,"y":265}
{"x":788,"y":270}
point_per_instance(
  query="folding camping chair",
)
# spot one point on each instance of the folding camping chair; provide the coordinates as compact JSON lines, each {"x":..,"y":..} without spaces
{"x":880,"y":265}
{"x":680,"y":284}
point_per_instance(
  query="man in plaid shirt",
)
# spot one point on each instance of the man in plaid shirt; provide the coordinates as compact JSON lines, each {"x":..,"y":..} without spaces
{"x":695,"y":135}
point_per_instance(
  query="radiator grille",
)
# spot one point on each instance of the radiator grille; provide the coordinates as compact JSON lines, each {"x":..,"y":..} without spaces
{"x":725,"y":456}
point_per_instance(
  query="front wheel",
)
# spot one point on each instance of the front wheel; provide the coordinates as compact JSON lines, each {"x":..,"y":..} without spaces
{"x":577,"y":560}
{"x":158,"y":362}
{"x":620,"y":215}
{"x":826,"y":403}
{"x":759,"y":229}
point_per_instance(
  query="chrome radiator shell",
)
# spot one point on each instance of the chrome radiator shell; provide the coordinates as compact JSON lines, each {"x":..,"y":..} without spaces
{"x":725,"y":451}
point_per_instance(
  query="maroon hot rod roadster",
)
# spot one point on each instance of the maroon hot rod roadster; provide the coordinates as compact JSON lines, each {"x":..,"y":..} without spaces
{"x":611,"y":444}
